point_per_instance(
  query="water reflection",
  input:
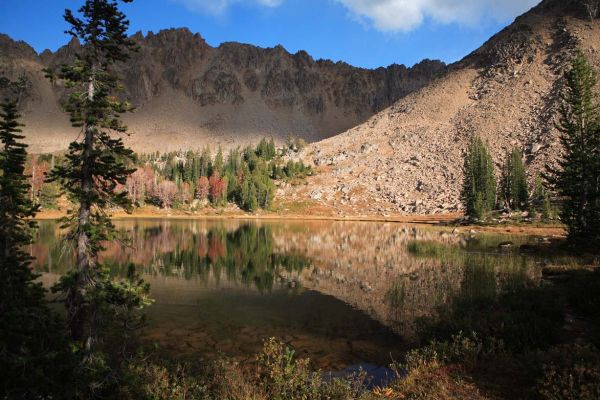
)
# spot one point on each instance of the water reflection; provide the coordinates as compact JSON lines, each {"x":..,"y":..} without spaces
{"x":245,"y":255}
{"x":402,"y":275}
{"x":340,"y":292}
{"x":223,"y":287}
{"x":452,"y":279}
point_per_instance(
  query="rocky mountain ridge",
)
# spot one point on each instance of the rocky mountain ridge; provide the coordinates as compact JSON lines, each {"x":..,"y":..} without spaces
{"x":407,"y":159}
{"x":189,"y":94}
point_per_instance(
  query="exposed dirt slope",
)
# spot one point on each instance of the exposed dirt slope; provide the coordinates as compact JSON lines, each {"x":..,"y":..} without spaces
{"x":408,"y":158}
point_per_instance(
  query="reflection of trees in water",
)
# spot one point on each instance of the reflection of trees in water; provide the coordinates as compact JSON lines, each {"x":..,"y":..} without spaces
{"x":499,"y":297}
{"x":51,"y":253}
{"x":450,"y":280}
{"x":485,"y":277}
{"x":419,"y":294}
{"x":245,"y":255}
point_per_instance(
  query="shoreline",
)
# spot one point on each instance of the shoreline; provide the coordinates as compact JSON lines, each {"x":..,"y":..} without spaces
{"x":439,"y":220}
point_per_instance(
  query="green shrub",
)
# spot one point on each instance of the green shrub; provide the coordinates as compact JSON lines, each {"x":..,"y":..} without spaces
{"x":154,"y":381}
{"x":464,"y":349}
{"x":438,"y":371}
{"x":284,"y":378}
{"x":572,"y":374}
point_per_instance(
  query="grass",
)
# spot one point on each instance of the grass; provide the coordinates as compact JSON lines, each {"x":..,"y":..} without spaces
{"x":293,"y":207}
{"x":466,"y":366}
{"x":432,"y":249}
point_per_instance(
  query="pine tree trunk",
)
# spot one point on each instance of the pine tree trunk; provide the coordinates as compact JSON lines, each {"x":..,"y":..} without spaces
{"x":4,"y":238}
{"x":85,"y":260}
{"x":583,"y":200}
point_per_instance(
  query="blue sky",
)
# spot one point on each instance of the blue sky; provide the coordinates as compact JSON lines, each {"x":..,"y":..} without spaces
{"x":366,"y":33}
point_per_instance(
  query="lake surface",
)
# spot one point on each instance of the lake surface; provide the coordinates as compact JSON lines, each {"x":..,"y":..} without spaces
{"x":341,"y":293}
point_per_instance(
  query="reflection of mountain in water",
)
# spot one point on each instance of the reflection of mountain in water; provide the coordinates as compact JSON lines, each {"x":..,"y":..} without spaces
{"x":400,"y":275}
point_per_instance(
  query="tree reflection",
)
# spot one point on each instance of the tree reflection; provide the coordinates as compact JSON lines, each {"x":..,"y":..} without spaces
{"x":246,"y":255}
{"x":495,"y":294}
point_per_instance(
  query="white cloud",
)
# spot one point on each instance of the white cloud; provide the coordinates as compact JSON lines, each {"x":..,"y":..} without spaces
{"x":270,"y":3}
{"x":218,"y":7}
{"x":406,"y":15}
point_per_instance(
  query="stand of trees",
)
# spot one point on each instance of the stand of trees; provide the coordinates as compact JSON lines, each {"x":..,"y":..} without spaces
{"x":479,"y":185}
{"x":514,"y":191}
{"x":187,"y":179}
{"x":193,"y":179}
{"x":576,"y":179}
{"x":34,"y":357}
{"x":482,"y":193}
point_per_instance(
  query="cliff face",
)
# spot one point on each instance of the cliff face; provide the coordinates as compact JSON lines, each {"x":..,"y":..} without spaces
{"x":408,"y":158}
{"x":189,"y":94}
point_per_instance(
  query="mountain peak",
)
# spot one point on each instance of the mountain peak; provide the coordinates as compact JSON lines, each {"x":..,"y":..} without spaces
{"x":10,"y":47}
{"x":234,"y":93}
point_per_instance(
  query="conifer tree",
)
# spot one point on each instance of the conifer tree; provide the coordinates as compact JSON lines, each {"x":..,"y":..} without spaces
{"x":188,"y":168}
{"x":218,"y":163}
{"x":540,"y":201}
{"x":513,"y":184}
{"x":30,"y":336}
{"x":93,"y":168}
{"x":266,"y":149}
{"x":195,"y":171}
{"x":234,"y":160}
{"x":577,"y":179}
{"x":205,"y":162}
{"x":252,"y":205}
{"x":479,"y":184}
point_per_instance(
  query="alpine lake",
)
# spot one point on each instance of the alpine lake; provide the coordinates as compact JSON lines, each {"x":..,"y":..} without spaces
{"x":347,"y":295}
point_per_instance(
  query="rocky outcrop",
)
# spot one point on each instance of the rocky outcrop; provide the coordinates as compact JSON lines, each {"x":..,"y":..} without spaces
{"x":189,"y":94}
{"x":11,"y":49}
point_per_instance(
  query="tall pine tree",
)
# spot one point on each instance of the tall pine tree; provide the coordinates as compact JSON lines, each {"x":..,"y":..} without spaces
{"x":93,"y":168}
{"x":576,"y":180}
{"x":30,"y":336}
{"x":514,"y":192}
{"x":479,"y":185}
{"x":540,"y":201}
{"x":218,"y":163}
